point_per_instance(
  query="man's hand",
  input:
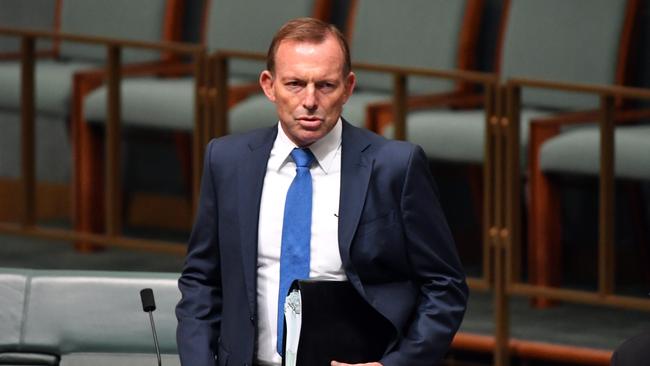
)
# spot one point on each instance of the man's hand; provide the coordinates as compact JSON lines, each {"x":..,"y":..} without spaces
{"x":336,"y":363}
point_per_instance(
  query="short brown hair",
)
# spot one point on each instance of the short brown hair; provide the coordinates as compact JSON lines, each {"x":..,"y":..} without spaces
{"x":307,"y":30}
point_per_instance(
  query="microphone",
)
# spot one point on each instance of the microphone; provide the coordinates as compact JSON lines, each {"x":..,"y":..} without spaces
{"x":149,"y":305}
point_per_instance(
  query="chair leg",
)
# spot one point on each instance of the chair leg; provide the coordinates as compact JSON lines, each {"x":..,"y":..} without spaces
{"x":89,"y":213}
{"x":88,"y":181}
{"x":544,"y":222}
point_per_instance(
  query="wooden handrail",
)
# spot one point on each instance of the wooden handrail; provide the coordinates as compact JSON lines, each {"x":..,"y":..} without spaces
{"x":157,"y":246}
{"x":471,"y":76}
{"x":175,"y":47}
{"x":219,"y":60}
{"x":600,"y":89}
{"x":533,"y":350}
{"x":580,"y":296}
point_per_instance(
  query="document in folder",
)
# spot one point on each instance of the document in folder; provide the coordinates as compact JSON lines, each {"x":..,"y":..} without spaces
{"x":329,"y":320}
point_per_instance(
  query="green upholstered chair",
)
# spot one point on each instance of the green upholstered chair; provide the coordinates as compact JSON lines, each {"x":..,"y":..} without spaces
{"x":141,"y":20}
{"x":419,"y":33}
{"x":85,"y":317}
{"x":562,"y":148}
{"x":167,"y":103}
{"x":540,"y":39}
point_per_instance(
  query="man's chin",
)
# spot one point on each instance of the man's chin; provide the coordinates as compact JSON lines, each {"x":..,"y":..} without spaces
{"x":305,"y":137}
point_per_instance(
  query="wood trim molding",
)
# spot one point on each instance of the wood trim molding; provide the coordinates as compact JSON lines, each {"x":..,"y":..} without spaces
{"x":534,"y":350}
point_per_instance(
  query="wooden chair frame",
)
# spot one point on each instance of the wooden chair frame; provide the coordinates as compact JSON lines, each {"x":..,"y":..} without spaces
{"x":607,"y":117}
{"x":543,"y":238}
{"x":112,"y":74}
{"x":544,"y":218}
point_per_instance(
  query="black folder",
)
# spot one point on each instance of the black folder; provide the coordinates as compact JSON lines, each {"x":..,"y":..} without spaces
{"x":338,"y":324}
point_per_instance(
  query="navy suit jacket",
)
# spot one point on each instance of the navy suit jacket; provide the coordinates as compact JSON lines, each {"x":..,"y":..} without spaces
{"x":634,"y":351}
{"x":395,"y":245}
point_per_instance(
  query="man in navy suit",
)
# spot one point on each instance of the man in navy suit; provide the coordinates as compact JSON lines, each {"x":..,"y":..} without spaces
{"x":376,"y":220}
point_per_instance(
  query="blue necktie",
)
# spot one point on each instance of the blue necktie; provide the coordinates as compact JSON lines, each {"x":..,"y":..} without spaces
{"x":296,"y":232}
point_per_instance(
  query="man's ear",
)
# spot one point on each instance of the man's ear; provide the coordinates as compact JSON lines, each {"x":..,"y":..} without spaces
{"x":350,"y":82}
{"x":266,"y":82}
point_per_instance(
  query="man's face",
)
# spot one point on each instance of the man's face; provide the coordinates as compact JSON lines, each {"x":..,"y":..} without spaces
{"x":308,"y":88}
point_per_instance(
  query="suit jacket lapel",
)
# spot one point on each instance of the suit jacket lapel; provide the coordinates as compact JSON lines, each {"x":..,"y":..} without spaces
{"x":251,"y":172}
{"x":356,"y":166}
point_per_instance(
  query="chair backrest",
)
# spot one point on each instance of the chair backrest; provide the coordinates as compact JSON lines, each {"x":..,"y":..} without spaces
{"x":90,"y":311}
{"x":84,"y":317}
{"x":147,"y":20}
{"x":32,"y":14}
{"x":438,"y":34}
{"x":13,"y":284}
{"x":250,"y":25}
{"x":583,"y":41}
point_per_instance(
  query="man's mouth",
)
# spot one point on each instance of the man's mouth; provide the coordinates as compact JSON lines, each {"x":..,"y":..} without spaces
{"x":310,"y":119}
{"x":310,"y":122}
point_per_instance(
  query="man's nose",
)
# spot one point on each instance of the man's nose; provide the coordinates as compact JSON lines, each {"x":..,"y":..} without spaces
{"x":309,"y":101}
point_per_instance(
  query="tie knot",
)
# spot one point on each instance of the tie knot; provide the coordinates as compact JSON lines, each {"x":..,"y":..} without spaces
{"x":302,"y":157}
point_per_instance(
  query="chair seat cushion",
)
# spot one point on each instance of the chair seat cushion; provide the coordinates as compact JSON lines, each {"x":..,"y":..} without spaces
{"x":166,"y":104}
{"x":577,"y":151}
{"x":457,"y":136}
{"x":254,"y":112}
{"x":122,"y":359}
{"x":28,"y":358}
{"x":53,"y":85}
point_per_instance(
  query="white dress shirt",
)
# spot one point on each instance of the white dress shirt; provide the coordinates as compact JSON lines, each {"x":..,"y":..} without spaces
{"x":325,"y":257}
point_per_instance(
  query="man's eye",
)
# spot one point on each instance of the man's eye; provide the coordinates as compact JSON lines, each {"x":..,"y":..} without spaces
{"x":293,"y":84}
{"x":326,"y":86}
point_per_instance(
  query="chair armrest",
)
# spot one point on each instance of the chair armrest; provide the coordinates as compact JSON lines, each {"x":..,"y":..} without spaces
{"x":15,"y":56}
{"x":380,"y":114}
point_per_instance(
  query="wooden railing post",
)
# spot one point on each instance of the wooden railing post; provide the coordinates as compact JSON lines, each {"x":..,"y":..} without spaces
{"x":489,"y":186}
{"x":200,"y":114}
{"x":113,"y":195}
{"x":606,"y":198}
{"x":28,"y":146}
{"x":399,"y":105}
{"x":513,"y":184}
{"x":498,"y":235}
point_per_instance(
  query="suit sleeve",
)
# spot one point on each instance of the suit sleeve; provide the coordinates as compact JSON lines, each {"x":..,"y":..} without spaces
{"x":199,"y":310}
{"x":436,"y":268}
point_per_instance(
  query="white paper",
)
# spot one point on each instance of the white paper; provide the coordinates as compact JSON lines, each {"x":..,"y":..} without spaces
{"x":293,"y":318}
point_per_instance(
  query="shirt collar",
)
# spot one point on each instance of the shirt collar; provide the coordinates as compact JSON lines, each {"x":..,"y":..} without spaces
{"x":324,"y":150}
